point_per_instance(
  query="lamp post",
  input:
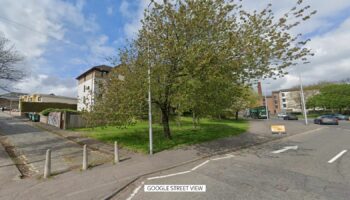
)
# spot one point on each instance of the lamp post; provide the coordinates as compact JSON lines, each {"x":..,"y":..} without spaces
{"x":303,"y":99}
{"x":149,"y":95}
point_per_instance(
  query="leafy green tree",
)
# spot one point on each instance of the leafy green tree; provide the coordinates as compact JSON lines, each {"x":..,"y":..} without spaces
{"x":201,"y":54}
{"x":332,"y":96}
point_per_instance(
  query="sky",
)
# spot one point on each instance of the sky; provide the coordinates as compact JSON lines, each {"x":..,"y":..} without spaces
{"x":60,"y":39}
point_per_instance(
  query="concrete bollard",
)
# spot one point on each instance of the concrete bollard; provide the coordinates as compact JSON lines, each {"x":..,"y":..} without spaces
{"x":116,"y":152}
{"x":85,"y":158}
{"x":47,"y":168}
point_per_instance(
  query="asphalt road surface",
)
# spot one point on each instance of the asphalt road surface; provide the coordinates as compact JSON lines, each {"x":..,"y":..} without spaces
{"x":310,"y":165}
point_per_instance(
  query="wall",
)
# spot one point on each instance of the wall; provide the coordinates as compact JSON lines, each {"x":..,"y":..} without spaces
{"x":43,"y":119}
{"x":73,"y":120}
{"x":89,"y":82}
{"x":55,"y":119}
{"x":58,"y":99}
{"x":8,"y":104}
{"x":40,"y":106}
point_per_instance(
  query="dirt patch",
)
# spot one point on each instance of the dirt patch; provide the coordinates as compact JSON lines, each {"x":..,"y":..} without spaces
{"x":18,"y":159}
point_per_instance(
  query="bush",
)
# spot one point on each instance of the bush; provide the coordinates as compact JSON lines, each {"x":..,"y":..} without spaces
{"x":40,"y":106}
{"x":47,"y":111}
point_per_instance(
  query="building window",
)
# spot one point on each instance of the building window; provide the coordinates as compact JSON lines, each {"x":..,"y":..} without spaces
{"x":276,"y":102}
{"x":284,"y":105}
{"x":283,"y":95}
{"x":283,"y":100}
{"x":39,"y":99}
{"x":276,"y":107}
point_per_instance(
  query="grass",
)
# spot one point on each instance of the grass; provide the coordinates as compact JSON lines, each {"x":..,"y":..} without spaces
{"x":136,"y":137}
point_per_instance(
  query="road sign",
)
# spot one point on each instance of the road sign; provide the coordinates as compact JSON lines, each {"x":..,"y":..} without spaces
{"x":278,"y":129}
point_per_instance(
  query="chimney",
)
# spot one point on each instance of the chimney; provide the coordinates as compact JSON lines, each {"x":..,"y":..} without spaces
{"x":259,"y":89}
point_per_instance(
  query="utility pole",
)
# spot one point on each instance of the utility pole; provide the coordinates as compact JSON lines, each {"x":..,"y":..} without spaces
{"x":149,"y":95}
{"x":303,"y":99}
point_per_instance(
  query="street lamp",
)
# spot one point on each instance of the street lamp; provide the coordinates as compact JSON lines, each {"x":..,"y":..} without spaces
{"x":303,"y":99}
{"x":149,"y":95}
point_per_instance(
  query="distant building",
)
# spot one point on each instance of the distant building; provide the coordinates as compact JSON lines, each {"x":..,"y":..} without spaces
{"x":48,"y":98}
{"x":88,"y":85}
{"x":289,"y":100}
{"x":286,"y":100}
{"x":10,"y":100}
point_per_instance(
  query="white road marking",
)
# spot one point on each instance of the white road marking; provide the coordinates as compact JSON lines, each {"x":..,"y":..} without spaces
{"x":200,"y":165}
{"x":337,"y":156}
{"x":179,"y":173}
{"x":169,"y":175}
{"x":135,"y":191}
{"x":285,"y":149}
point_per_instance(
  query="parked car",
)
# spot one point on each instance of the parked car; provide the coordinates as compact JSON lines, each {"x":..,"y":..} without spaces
{"x":341,"y":117}
{"x":326,"y":119}
{"x":281,"y":115}
{"x":290,"y":117}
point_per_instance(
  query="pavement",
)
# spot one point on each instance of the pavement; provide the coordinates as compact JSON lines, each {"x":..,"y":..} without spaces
{"x":31,"y":143}
{"x":8,"y":171}
{"x":311,"y":165}
{"x":104,"y":180}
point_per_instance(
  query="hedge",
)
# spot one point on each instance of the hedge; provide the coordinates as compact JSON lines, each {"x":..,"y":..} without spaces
{"x":47,"y":111}
{"x":40,"y":106}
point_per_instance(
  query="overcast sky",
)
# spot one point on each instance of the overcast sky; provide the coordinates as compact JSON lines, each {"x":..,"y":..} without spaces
{"x":61,"y":39}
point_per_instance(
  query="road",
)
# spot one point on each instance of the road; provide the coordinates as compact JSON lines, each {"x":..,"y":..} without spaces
{"x":311,"y":165}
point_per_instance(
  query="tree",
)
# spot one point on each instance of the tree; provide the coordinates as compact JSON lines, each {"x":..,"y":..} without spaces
{"x":247,"y":98}
{"x":332,"y":96}
{"x":9,"y":57}
{"x":201,"y":54}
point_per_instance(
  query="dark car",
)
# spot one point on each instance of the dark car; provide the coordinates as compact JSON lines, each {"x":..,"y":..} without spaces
{"x":290,"y":117}
{"x":326,"y":119}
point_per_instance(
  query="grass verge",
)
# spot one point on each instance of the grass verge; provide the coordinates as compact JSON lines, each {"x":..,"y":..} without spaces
{"x":136,"y":137}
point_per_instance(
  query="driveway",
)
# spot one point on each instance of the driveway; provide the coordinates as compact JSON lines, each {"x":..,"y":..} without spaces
{"x":31,"y":144}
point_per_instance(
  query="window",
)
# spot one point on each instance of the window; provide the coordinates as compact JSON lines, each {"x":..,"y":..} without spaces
{"x":276,"y":102}
{"x":103,"y":73}
{"x":84,"y":99}
{"x":283,"y":100}
{"x":284,"y":105}
{"x":283,"y":94}
{"x":276,"y":106}
{"x":84,"y":88}
{"x":88,"y":87}
{"x":39,"y":99}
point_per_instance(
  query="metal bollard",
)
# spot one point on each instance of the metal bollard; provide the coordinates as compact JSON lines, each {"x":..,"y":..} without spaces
{"x":85,"y":158}
{"x":47,"y":168}
{"x":116,"y":152}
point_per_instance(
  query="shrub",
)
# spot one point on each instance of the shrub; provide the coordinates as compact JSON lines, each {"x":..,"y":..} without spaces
{"x":47,"y":111}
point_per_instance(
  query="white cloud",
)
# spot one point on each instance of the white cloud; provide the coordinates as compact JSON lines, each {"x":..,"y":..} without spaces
{"x":36,"y":28}
{"x":133,"y":15}
{"x":41,"y":83}
{"x":330,"y":63}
